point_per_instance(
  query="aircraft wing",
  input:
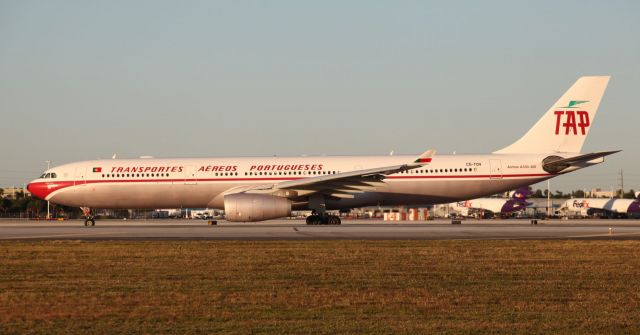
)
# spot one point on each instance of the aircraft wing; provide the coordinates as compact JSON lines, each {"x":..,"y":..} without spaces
{"x":341,"y":185}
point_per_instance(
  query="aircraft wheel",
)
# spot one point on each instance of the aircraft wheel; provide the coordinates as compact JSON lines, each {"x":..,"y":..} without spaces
{"x":333,"y":220}
{"x":314,"y":220}
{"x":89,"y":222}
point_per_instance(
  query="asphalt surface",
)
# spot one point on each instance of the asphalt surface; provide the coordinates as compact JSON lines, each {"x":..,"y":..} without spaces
{"x":297,"y":230}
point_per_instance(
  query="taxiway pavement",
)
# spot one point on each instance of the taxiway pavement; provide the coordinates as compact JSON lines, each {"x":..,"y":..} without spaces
{"x":297,"y":230}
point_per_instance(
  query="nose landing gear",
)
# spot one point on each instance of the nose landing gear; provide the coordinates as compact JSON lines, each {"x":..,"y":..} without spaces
{"x":88,"y":217}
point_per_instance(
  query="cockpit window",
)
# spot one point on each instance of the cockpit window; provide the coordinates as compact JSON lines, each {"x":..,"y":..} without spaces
{"x":43,"y":175}
{"x":53,"y":175}
{"x":48,"y":175}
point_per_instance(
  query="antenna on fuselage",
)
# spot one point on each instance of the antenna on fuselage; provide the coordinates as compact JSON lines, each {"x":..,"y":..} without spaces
{"x":114,"y":156}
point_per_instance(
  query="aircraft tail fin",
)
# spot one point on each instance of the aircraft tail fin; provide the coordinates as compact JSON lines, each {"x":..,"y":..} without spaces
{"x":521,"y":193}
{"x":565,"y":126}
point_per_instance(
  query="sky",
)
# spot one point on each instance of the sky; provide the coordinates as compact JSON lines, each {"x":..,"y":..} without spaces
{"x":83,"y":80}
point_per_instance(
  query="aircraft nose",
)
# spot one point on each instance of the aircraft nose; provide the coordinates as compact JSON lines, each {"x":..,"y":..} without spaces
{"x":43,"y":189}
{"x":39,"y":190}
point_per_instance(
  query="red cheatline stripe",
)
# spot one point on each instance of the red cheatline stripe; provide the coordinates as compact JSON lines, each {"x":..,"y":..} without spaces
{"x":65,"y":184}
{"x":283,"y":179}
{"x":473,"y":176}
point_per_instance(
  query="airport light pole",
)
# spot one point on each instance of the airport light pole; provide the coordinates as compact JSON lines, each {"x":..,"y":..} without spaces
{"x":48,"y":205}
{"x":621,"y":184}
{"x":548,"y":197}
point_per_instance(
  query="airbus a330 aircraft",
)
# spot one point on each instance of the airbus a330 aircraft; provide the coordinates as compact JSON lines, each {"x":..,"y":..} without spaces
{"x":262,"y":188}
{"x":495,"y":206}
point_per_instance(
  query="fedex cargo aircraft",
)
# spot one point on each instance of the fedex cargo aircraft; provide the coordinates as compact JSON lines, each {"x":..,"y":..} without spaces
{"x":262,"y":188}
{"x":495,"y":206}
{"x":610,"y":207}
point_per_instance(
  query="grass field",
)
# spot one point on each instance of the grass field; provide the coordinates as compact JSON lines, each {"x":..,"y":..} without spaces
{"x":410,"y":287}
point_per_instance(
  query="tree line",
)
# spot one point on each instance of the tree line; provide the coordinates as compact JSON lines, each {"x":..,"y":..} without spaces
{"x":26,"y":206}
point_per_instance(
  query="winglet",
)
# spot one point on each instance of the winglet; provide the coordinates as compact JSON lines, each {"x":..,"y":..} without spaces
{"x":425,"y":158}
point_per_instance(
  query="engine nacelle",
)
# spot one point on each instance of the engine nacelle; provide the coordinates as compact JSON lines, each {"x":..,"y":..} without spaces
{"x":247,"y":207}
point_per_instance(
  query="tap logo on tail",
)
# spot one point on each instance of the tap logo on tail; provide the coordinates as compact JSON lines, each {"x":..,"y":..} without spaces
{"x":571,"y":121}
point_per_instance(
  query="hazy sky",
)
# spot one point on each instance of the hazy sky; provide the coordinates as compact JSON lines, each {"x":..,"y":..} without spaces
{"x":83,"y":79}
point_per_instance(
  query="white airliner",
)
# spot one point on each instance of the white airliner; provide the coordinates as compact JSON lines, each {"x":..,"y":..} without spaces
{"x":262,"y":188}
{"x":516,"y":202}
{"x":590,"y":206}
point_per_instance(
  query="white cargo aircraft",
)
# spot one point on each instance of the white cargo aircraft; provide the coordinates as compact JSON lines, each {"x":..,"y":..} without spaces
{"x":516,"y":202}
{"x":590,"y":206}
{"x":262,"y":188}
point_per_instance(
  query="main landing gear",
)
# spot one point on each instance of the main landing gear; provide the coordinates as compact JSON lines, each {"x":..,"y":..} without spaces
{"x":315,"y":219}
{"x":88,"y":217}
{"x":319,"y":214}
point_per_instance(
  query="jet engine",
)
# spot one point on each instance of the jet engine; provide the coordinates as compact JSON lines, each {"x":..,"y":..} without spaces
{"x":247,"y":207}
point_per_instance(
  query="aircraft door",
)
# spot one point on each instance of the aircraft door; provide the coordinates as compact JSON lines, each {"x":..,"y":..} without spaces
{"x":495,"y":166}
{"x":190,"y":175}
{"x":80,"y":176}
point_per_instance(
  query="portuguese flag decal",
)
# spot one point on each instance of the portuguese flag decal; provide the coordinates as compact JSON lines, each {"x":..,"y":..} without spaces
{"x":97,"y":169}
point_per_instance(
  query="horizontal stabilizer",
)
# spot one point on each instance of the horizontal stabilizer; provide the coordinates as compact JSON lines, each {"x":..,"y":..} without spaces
{"x":555,"y":164}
